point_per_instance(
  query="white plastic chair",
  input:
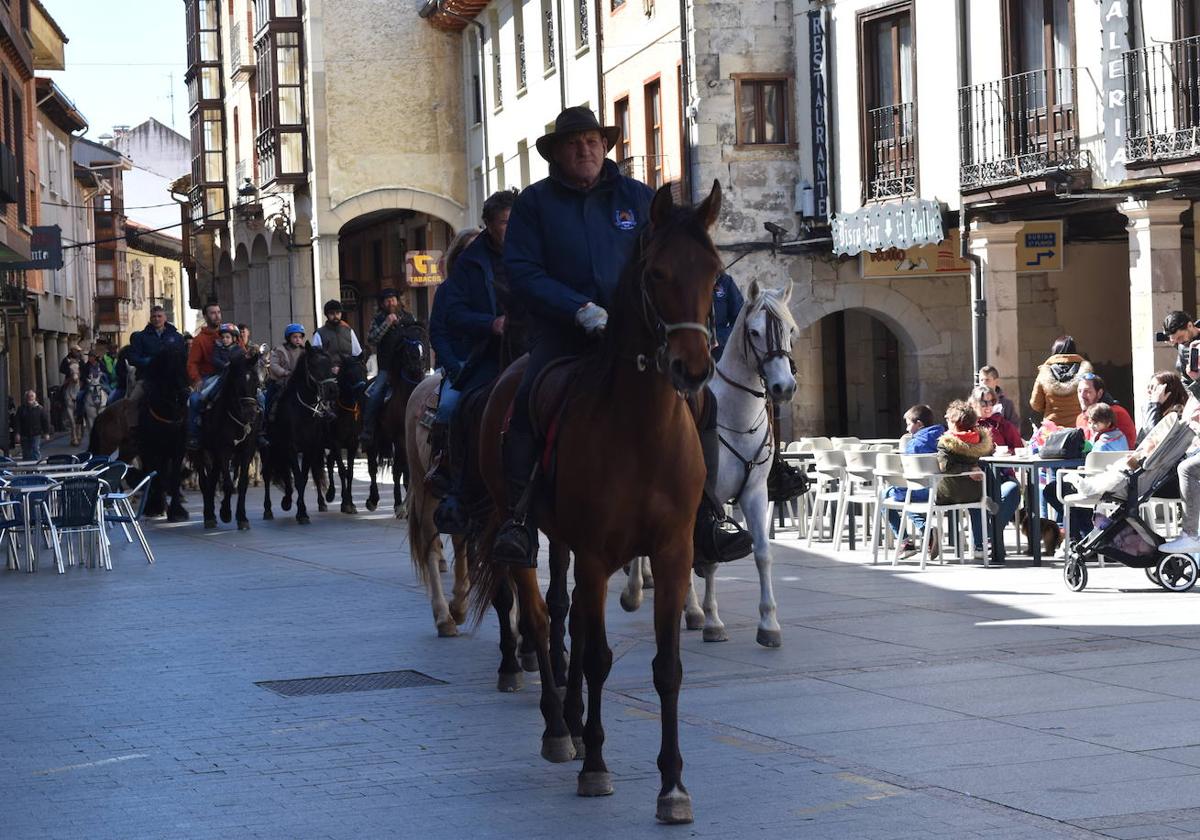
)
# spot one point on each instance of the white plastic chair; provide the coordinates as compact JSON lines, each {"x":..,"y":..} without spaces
{"x":860,"y":490}
{"x":829,"y":484}
{"x":889,"y":472}
{"x":843,"y":442}
{"x":922,"y":471}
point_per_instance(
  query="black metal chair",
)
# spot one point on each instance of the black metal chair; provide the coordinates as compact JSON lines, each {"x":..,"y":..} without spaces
{"x":37,"y":502}
{"x":59,"y":460}
{"x":76,"y":509}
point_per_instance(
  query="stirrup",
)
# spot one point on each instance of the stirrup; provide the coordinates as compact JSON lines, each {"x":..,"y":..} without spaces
{"x":516,"y":545}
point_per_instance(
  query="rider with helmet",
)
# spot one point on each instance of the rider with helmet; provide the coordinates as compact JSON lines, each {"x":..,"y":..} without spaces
{"x":386,"y":331}
{"x":282,"y":361}
{"x":224,"y":350}
{"x":569,"y":238}
{"x":336,"y":336}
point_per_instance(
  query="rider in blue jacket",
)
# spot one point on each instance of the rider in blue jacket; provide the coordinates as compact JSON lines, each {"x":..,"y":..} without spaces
{"x":148,"y":343}
{"x":727,"y":303}
{"x":569,"y":238}
{"x":464,"y":327}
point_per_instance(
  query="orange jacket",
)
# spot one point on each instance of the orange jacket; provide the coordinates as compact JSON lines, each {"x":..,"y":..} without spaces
{"x":200,"y":356}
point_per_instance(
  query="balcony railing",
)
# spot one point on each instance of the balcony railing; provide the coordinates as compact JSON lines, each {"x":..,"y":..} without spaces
{"x":893,"y":149}
{"x":1162,"y":101}
{"x":1018,"y":127}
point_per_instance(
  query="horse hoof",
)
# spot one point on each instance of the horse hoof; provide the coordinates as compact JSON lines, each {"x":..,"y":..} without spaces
{"x":209,"y":524}
{"x":286,"y":504}
{"x":557,"y":749}
{"x":348,"y":507}
{"x":695,"y":621}
{"x":243,"y":525}
{"x":447,"y":629}
{"x":330,"y":494}
{"x":674,"y":807}
{"x":226,"y":515}
{"x":321,"y":506}
{"x":529,"y":662}
{"x":302,"y":518}
{"x":580,"y":749}
{"x":769,"y":638}
{"x":459,"y":613}
{"x":647,"y":581}
{"x":715,"y":634}
{"x":510,"y":682}
{"x":268,"y":515}
{"x":178,"y":515}
{"x":371,"y":505}
{"x":399,"y":511}
{"x":595,"y":783}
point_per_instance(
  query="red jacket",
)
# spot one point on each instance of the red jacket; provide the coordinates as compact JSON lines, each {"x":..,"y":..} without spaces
{"x":200,"y":356}
{"x":1002,"y":431}
{"x":1124,"y":423}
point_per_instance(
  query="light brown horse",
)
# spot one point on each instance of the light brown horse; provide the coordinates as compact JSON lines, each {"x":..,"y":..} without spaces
{"x":628,"y":482}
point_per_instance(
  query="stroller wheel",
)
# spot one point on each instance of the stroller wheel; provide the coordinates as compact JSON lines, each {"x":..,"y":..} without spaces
{"x":1075,"y":574}
{"x":1152,"y":573}
{"x":1177,"y":572}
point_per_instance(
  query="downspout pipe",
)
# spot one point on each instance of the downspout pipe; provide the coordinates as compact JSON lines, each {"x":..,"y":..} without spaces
{"x":482,"y":101}
{"x":978,"y":300}
{"x":685,"y":89}
{"x":598,"y":38}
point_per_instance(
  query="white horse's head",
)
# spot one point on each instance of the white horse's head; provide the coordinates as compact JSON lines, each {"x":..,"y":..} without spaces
{"x":768,"y":330}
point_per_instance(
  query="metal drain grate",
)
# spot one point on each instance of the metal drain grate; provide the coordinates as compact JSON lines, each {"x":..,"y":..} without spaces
{"x":350,"y":682}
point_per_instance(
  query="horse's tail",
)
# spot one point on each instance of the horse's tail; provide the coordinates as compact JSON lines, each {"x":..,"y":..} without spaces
{"x":422,"y":534}
{"x":485,"y":574}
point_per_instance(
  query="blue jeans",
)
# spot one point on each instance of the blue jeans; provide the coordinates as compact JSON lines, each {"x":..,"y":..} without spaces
{"x":31,"y":447}
{"x":447,"y":403}
{"x":195,"y":401}
{"x":376,"y":394}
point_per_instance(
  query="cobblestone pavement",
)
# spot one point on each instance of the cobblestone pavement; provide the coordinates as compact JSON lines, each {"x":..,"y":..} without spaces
{"x":959,"y":702}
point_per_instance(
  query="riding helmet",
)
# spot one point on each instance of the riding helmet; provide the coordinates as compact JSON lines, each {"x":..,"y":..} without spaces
{"x":333,"y":306}
{"x":232,"y":329}
{"x":292,"y":328}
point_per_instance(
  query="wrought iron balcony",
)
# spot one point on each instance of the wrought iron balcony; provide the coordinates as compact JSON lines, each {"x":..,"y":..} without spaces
{"x":893,"y":150}
{"x":1162,"y":101}
{"x":1018,"y":127}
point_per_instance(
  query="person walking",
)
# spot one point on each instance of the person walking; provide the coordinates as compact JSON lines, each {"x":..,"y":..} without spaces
{"x":32,"y":427}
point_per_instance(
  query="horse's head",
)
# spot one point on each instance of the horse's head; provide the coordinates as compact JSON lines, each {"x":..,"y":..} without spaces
{"x":768,"y":330}
{"x":317,"y":369}
{"x":352,"y":376}
{"x":409,"y":358}
{"x":678,"y":268}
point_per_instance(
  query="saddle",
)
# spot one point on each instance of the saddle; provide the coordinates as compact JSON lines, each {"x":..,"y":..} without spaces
{"x":547,"y":403}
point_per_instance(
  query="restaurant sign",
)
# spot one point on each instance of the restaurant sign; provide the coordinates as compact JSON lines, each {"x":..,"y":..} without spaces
{"x":917,"y":261}
{"x":423,"y":268}
{"x":880,"y":227}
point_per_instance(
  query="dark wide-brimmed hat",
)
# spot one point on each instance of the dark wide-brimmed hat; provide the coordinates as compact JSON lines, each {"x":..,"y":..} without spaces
{"x":573,"y":121}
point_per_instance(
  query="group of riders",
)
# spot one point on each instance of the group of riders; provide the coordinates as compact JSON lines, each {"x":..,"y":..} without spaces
{"x":539,"y":278}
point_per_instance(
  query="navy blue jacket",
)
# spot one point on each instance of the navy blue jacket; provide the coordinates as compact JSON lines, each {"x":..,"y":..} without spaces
{"x":147,"y":344}
{"x":566,"y":247}
{"x":464,"y":307}
{"x":727,"y":303}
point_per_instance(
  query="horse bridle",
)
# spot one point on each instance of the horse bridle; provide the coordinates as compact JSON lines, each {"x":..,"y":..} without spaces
{"x":654,"y":321}
{"x":247,"y":425}
{"x":403,"y":375}
{"x":320,"y":408}
{"x":776,"y":349}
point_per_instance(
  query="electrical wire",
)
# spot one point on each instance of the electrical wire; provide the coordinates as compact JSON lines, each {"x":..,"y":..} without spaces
{"x":140,"y":232}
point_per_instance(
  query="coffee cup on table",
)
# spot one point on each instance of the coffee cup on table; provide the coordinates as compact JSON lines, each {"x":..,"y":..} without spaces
{"x":1021,"y":451}
{"x":1001,"y":450}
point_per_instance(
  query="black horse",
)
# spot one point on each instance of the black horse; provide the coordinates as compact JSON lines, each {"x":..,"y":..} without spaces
{"x":299,"y":431}
{"x":346,"y":428}
{"x":161,"y":432}
{"x":229,"y":437}
{"x":406,"y":368}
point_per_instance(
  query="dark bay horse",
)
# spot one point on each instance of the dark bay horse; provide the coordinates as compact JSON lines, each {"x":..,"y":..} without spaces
{"x":229,"y":439}
{"x":407,"y":367}
{"x":346,"y":427}
{"x":628,"y":481}
{"x":297,"y":435}
{"x":161,"y":431}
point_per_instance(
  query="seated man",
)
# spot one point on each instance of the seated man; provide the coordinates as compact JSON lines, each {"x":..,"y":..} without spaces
{"x":921,"y":434}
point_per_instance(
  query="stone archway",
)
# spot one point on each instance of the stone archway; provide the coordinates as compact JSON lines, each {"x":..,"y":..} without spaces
{"x":400,"y":198}
{"x":222,"y":288}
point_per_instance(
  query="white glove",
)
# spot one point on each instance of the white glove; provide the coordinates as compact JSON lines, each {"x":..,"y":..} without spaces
{"x":592,"y":318}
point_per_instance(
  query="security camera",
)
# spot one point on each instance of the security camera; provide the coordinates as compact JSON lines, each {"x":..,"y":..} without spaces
{"x":427,"y":8}
{"x":774,"y":229}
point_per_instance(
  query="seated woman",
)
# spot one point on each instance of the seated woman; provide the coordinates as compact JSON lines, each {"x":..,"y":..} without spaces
{"x":1166,"y":395}
{"x":986,"y":404}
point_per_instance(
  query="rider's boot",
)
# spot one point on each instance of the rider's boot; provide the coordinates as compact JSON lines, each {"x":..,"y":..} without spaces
{"x":437,"y":479}
{"x":717,"y":539}
{"x":516,"y":542}
{"x":785,"y":481}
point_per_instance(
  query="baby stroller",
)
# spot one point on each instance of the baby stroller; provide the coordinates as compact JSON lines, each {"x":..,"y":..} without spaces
{"x":1118,"y":532}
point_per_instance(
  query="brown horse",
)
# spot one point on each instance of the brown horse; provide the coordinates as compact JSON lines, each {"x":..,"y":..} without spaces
{"x":628,"y":481}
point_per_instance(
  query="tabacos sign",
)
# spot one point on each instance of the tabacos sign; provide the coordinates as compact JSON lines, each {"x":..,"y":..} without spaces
{"x":423,"y":268}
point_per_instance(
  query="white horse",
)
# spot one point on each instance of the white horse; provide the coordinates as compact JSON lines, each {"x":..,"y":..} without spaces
{"x":70,"y":395}
{"x":94,"y":402}
{"x":755,"y":370}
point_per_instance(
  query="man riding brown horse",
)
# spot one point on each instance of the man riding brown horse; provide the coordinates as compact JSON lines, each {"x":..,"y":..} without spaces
{"x":569,"y":237}
{"x":385,"y":333}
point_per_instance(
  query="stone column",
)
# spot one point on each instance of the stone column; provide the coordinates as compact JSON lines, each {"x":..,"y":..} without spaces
{"x":996,"y":244}
{"x":1155,"y":281}
{"x":326,"y":261}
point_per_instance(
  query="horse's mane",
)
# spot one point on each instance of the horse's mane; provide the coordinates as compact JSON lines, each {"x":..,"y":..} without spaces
{"x":170,"y":362}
